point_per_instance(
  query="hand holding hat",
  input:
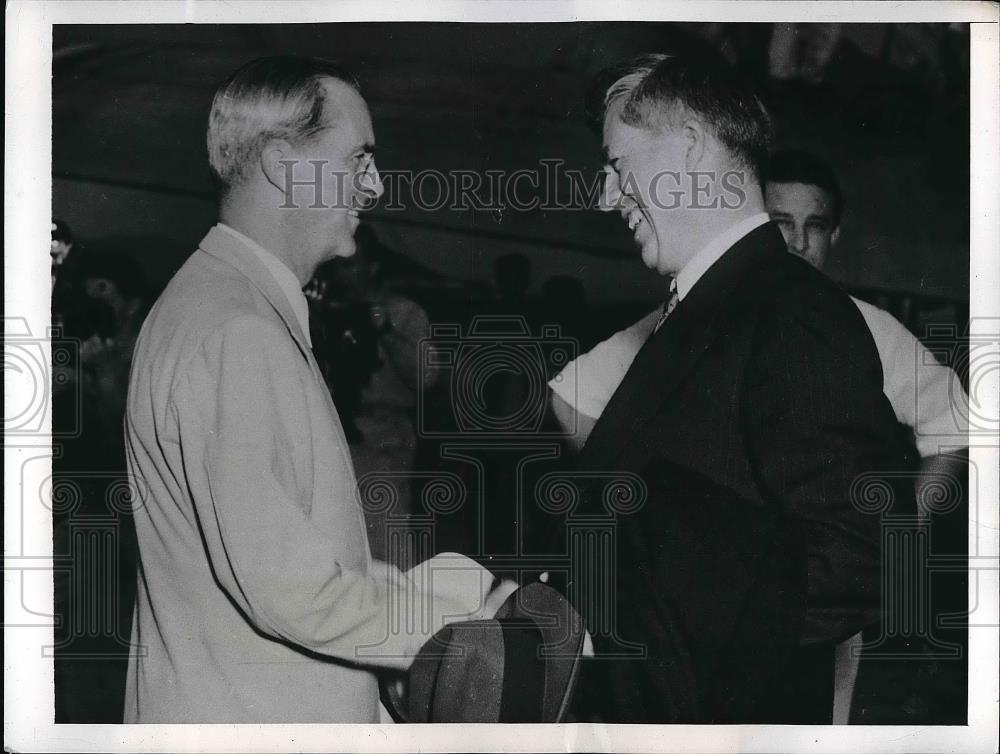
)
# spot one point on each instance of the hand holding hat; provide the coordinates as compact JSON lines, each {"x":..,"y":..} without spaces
{"x":521,"y":665}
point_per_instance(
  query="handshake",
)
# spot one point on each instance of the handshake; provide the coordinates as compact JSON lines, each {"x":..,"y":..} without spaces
{"x":498,"y":653}
{"x":459,"y":589}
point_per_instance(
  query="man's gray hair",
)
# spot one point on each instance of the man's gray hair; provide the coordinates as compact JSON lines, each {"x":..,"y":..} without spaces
{"x":632,"y":75}
{"x":654,"y":91}
{"x":280,"y":97}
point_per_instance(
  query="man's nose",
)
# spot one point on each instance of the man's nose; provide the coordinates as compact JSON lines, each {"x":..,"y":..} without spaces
{"x":371,"y":182}
{"x":611,"y":192}
{"x":798,"y":241}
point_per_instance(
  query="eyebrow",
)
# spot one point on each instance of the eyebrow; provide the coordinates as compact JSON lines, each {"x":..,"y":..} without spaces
{"x":809,"y":218}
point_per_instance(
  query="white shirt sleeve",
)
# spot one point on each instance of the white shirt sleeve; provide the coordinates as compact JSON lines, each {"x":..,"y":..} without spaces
{"x":925,"y":394}
{"x":588,"y":382}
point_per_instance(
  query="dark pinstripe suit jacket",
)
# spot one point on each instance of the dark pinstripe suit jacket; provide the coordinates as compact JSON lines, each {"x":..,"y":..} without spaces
{"x":751,"y":416}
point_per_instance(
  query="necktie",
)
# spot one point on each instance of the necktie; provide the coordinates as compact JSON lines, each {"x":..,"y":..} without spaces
{"x":669,"y":305}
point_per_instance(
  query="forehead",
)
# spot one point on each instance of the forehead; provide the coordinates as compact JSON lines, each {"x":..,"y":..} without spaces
{"x":351,"y":123}
{"x":798,"y":199}
{"x":621,"y":138}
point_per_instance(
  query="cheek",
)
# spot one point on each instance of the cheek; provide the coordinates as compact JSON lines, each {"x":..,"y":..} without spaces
{"x":336,"y":190}
{"x":665,"y":192}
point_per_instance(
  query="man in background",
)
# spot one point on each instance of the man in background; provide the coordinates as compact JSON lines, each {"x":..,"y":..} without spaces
{"x":805,"y":200}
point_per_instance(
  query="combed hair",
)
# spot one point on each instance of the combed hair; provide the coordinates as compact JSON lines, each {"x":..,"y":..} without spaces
{"x":279,"y":97}
{"x":657,"y":91}
{"x":797,"y":166}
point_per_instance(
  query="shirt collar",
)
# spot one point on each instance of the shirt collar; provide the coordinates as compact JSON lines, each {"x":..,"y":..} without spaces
{"x":711,"y":252}
{"x":282,"y":275}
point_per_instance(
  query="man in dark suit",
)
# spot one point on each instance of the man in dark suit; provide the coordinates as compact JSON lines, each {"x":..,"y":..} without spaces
{"x":754,"y":417}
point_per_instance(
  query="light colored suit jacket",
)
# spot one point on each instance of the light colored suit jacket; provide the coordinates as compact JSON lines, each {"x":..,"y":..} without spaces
{"x":257,"y":598}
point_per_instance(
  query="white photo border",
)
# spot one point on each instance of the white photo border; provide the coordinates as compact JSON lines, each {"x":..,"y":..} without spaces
{"x":28,"y":677}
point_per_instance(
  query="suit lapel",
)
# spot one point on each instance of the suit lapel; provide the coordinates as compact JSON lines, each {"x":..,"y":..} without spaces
{"x":672,"y":352}
{"x":229,"y":249}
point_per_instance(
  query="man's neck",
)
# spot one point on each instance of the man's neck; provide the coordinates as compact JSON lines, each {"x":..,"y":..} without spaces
{"x":715,"y":222}
{"x":718,"y":234}
{"x":267,"y":231}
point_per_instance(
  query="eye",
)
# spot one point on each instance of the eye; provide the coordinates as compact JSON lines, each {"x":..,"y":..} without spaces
{"x":363,"y":159}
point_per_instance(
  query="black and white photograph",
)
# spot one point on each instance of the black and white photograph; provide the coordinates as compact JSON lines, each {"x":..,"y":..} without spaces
{"x":629,"y":372}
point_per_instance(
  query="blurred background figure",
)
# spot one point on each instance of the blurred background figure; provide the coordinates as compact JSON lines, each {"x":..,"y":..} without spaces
{"x":564,"y":303}
{"x":115,"y":300}
{"x":62,"y":245}
{"x":99,"y":300}
{"x":370,"y":336}
{"x":512,"y":278}
{"x":65,"y":294}
{"x":507,"y":390}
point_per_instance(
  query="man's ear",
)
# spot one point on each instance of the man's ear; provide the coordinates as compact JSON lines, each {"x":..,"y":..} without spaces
{"x":276,"y":163}
{"x":694,"y":133}
{"x":835,"y":236}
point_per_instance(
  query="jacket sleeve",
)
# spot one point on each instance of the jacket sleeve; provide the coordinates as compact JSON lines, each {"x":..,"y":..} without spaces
{"x":242,"y":459}
{"x":821,"y":438}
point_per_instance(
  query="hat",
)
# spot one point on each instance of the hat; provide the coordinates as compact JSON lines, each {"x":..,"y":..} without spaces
{"x":519,"y":667}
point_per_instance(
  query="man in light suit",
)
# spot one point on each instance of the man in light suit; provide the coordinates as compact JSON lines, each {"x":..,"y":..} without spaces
{"x":749,"y":412}
{"x":258,"y":600}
